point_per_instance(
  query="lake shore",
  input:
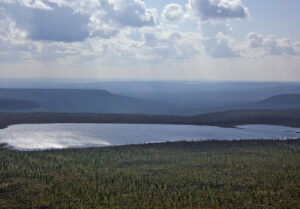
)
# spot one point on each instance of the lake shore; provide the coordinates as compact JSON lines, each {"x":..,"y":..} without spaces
{"x":289,"y":117}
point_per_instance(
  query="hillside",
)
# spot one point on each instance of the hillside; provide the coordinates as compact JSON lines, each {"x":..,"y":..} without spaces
{"x":19,"y":105}
{"x":102,"y":101}
{"x":93,"y":101}
{"x":282,"y":100}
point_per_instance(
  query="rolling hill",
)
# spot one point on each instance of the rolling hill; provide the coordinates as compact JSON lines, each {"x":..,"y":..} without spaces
{"x":282,"y":101}
{"x":92,"y":101}
{"x":102,"y":101}
{"x":19,"y":105}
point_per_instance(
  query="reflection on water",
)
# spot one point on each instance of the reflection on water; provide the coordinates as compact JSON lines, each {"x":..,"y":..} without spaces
{"x":47,"y":136}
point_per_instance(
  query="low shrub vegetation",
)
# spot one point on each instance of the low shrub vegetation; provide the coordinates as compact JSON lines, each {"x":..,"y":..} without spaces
{"x":208,"y":174}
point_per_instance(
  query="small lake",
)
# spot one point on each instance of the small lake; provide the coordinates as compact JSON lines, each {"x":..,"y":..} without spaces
{"x":57,"y":136}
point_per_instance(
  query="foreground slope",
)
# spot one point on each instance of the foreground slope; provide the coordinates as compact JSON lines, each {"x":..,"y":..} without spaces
{"x":213,"y":174}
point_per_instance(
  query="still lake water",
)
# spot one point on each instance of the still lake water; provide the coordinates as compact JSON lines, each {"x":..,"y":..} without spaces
{"x":47,"y":136}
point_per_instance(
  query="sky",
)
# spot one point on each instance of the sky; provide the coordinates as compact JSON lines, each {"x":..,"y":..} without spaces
{"x":253,"y":40}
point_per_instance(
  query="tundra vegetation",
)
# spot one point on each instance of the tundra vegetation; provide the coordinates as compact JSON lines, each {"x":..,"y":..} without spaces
{"x":207,"y":174}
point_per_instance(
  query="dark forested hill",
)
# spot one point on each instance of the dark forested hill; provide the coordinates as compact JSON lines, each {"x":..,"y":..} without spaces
{"x":19,"y":105}
{"x":282,"y":101}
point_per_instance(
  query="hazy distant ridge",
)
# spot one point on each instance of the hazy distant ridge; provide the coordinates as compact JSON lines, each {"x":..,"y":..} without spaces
{"x":102,"y":101}
{"x":82,"y":100}
{"x":281,"y":101}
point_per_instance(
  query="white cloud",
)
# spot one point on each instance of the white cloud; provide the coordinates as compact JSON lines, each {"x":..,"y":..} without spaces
{"x":9,"y":33}
{"x":172,"y":12}
{"x":171,"y":45}
{"x":71,"y":21}
{"x":271,"y":45}
{"x":121,"y":33}
{"x":228,"y":28}
{"x":35,"y":4}
{"x":149,"y":46}
{"x":218,"y":9}
{"x":254,"y":46}
{"x":221,"y":46}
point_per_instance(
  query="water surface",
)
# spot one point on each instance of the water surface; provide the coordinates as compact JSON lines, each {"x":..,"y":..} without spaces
{"x":47,"y":136}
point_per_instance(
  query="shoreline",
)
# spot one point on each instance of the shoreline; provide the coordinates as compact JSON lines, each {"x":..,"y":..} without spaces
{"x":150,"y":144}
{"x":229,"y":119}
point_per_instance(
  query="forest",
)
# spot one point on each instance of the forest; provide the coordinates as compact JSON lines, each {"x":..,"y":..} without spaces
{"x":207,"y":174}
{"x":286,"y":117}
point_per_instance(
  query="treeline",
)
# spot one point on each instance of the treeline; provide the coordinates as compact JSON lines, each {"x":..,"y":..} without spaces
{"x":209,"y":174}
{"x":290,"y":117}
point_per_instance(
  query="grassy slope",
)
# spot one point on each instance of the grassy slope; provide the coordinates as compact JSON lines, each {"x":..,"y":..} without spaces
{"x":238,"y":174}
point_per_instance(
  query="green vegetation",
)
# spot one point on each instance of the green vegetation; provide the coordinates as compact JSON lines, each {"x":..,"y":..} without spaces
{"x":211,"y":174}
{"x":289,"y":117}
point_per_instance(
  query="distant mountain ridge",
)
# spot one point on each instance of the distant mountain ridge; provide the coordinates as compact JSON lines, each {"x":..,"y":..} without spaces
{"x":103,"y":101}
{"x":87,"y":101}
{"x":281,"y":101}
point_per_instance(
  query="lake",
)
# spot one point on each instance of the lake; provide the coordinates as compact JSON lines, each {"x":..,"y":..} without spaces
{"x":57,"y":136}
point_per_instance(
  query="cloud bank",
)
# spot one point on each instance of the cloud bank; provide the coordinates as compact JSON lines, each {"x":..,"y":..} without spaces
{"x":271,"y":44}
{"x":71,"y":21}
{"x":218,"y":9}
{"x":119,"y":33}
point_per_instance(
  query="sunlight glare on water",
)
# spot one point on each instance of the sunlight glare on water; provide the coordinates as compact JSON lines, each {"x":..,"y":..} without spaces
{"x":58,"y":136}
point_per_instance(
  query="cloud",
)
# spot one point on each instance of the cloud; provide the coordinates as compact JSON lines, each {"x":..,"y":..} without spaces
{"x":254,"y":46}
{"x":224,"y":50}
{"x":9,"y":33}
{"x":171,"y":45}
{"x":172,"y":12}
{"x":271,"y":44}
{"x":123,"y":32}
{"x":35,"y":4}
{"x":221,"y":46}
{"x":75,"y":21}
{"x":228,"y":28}
{"x":255,"y":40}
{"x":57,"y":24}
{"x":218,"y":9}
{"x":152,"y":46}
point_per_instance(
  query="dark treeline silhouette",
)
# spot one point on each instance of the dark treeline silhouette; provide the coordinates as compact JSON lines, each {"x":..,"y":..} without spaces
{"x":289,"y":117}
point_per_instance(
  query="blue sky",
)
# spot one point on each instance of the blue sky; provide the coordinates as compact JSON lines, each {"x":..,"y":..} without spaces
{"x":150,"y":39}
